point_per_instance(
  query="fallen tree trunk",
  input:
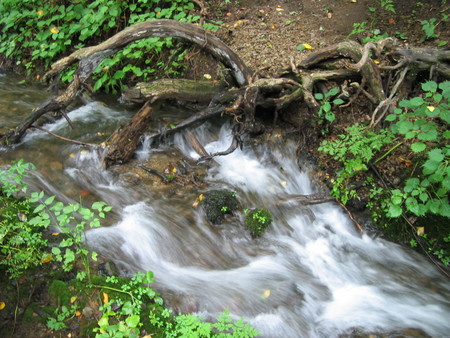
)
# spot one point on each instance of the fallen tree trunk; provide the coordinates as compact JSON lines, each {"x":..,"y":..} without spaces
{"x":181,"y":89}
{"x":90,"y":57}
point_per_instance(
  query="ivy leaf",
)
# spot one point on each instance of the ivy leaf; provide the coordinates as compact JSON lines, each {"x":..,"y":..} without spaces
{"x":417,"y":147}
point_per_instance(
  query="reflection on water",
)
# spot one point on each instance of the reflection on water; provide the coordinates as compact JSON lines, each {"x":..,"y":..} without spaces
{"x":311,"y":275}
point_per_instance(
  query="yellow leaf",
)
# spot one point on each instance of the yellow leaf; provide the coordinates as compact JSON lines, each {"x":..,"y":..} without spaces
{"x":40,"y":12}
{"x":420,"y":231}
{"x":266,"y":294}
{"x":54,"y":30}
{"x":73,"y":299}
{"x":200,"y":197}
{"x":431,"y":108}
{"x":2,"y":305}
{"x":283,"y":184}
{"x":307,"y":46}
{"x":78,"y":313}
{"x":105,"y":298}
{"x":55,"y":233}
{"x":72,"y":155}
{"x":376,"y":62}
{"x":207,"y":76}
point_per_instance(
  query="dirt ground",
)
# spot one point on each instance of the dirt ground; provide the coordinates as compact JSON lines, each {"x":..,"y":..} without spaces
{"x":266,"y":33}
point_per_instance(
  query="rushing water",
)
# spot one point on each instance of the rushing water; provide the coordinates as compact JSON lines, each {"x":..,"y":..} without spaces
{"x":311,"y":275}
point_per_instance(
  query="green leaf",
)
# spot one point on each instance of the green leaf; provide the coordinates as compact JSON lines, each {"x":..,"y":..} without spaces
{"x":332,"y":92}
{"x":133,"y":321}
{"x":318,"y":96}
{"x":394,"y":211}
{"x":445,"y":116}
{"x":436,"y":155}
{"x":391,"y":117}
{"x":430,"y":86}
{"x":416,"y":102}
{"x":446,"y":134}
{"x":417,"y":147}
{"x":430,"y":167}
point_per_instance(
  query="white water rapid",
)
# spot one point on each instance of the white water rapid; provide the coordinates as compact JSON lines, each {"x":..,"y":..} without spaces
{"x":312,"y":274}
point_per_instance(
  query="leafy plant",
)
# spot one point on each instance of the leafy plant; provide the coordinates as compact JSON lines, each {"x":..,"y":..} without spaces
{"x":354,"y":150}
{"x":327,"y":103}
{"x":72,"y":220}
{"x":425,"y":121}
{"x":429,"y":28}
{"x":257,"y":221}
{"x":22,"y":244}
{"x":388,"y":5}
{"x":36,"y":33}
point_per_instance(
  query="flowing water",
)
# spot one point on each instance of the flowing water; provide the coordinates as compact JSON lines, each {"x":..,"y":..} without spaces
{"x":311,"y":275}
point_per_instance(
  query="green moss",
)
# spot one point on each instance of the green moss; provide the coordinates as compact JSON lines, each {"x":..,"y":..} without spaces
{"x":59,"y":293}
{"x":218,"y":203}
{"x":257,"y":221}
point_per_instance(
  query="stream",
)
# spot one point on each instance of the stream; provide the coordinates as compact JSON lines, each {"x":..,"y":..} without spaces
{"x":312,"y":274}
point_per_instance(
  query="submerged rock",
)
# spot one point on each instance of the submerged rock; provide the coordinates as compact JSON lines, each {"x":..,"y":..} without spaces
{"x":218,"y":203}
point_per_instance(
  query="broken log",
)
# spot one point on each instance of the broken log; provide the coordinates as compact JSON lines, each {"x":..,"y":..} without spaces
{"x":124,"y":141}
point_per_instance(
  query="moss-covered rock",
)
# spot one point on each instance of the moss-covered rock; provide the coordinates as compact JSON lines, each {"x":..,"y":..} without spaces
{"x":218,"y":203}
{"x":257,"y":221}
{"x":59,"y":293}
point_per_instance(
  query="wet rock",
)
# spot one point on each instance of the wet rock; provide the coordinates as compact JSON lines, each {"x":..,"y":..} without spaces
{"x":218,"y":203}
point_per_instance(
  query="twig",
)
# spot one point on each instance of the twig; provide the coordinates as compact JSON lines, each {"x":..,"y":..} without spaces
{"x":387,"y":102}
{"x":350,"y":215}
{"x":65,"y":139}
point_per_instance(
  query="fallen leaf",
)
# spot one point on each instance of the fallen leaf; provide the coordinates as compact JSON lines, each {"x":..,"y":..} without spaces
{"x":78,"y":313}
{"x":2,"y":305}
{"x":283,"y":184}
{"x":40,"y":12}
{"x":105,"y":298}
{"x":329,"y":15}
{"x":420,"y":231}
{"x":73,"y":299}
{"x":392,"y":21}
{"x":266,"y":294}
{"x":207,"y":76}
{"x":376,"y":62}
{"x":72,"y":155}
{"x":307,"y":46}
{"x":85,"y":192}
{"x":54,"y":30}
{"x":431,"y":108}
{"x":55,"y":234}
{"x":46,"y":258}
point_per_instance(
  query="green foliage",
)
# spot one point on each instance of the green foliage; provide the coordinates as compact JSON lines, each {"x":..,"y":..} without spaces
{"x":428,"y":27}
{"x":327,"y":103}
{"x":425,"y":120}
{"x":388,"y":5}
{"x":365,"y":34}
{"x":354,"y":150}
{"x":257,"y":221}
{"x":136,"y":306}
{"x":38,"y":32}
{"x":22,"y":244}
{"x":72,"y":220}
